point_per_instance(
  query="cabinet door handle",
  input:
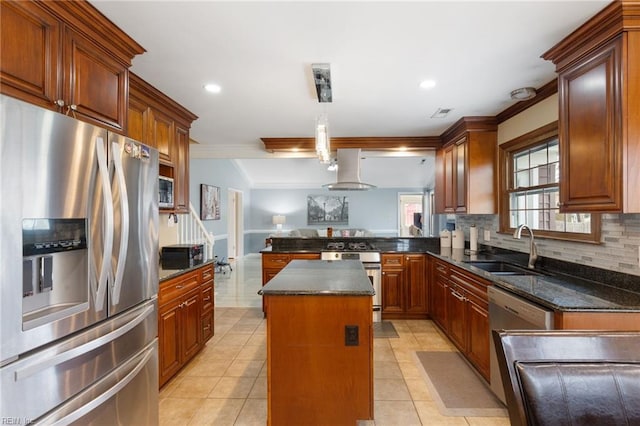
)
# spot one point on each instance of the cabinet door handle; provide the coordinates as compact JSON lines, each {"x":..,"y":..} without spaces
{"x":206,"y":299}
{"x":179,"y":286}
{"x":207,"y":327}
{"x":457,"y":295}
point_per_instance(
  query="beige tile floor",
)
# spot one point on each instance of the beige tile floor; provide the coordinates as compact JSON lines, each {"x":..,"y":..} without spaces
{"x":225,"y":384}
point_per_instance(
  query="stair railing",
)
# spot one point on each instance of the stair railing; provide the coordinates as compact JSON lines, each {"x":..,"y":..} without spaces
{"x":192,"y":231}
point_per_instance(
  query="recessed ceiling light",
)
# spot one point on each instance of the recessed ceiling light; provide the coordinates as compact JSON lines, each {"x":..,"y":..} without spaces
{"x":212,"y":87}
{"x":428,"y":84}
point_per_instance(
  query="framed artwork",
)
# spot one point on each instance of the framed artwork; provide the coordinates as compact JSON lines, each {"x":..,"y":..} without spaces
{"x":209,"y":202}
{"x":327,"y":210}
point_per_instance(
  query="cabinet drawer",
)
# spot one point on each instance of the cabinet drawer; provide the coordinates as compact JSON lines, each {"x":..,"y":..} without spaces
{"x":177,"y":287}
{"x":207,"y":326}
{"x":306,"y":256}
{"x":206,"y":273}
{"x":440,"y":267}
{"x":275,"y":260}
{"x":393,"y":260}
{"x":469,"y":282}
{"x":207,"y":296}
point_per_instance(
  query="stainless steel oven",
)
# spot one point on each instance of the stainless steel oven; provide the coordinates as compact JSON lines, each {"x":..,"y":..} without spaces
{"x":371,"y":262}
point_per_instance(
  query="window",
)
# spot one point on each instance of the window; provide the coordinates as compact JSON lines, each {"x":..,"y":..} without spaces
{"x":530,"y":182}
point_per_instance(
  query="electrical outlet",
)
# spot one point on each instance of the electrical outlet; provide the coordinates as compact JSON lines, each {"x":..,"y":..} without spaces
{"x":351,"y":335}
{"x":487,"y":235}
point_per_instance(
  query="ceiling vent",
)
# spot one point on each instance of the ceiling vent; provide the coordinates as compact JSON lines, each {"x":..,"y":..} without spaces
{"x":441,"y":112}
{"x":322,"y":80}
{"x":349,"y":172}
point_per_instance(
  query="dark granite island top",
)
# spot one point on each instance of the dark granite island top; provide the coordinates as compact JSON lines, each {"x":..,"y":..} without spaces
{"x":320,"y":278}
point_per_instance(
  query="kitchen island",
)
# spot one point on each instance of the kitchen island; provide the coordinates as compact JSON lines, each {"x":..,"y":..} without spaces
{"x":319,"y":343}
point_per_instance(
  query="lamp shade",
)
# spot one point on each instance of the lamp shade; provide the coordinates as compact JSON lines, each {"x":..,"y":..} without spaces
{"x":279,"y":219}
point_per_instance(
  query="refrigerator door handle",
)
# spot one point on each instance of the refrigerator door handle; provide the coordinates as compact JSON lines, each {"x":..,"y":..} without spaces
{"x":38,"y":366}
{"x":108,"y":224}
{"x":101,"y":399}
{"x":124,"y":230}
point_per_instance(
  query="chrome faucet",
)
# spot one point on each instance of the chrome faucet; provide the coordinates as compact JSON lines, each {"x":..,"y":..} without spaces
{"x":533,"y":252}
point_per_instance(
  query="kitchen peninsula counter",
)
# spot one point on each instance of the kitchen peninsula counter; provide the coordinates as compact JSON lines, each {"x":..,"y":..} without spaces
{"x":319,"y":344}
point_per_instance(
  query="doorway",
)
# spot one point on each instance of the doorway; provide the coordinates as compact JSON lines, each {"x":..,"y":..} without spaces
{"x":235,"y":225}
{"x":411,"y":206}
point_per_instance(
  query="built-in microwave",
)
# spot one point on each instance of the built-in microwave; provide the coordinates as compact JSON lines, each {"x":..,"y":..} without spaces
{"x":165,"y":189}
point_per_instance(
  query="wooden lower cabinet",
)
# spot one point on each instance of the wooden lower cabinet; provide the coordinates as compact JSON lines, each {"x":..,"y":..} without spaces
{"x":404,"y":286}
{"x":438,"y":287}
{"x":272,"y":263}
{"x":456,"y":316}
{"x":460,"y":307}
{"x":185,"y":319}
{"x":313,"y":376}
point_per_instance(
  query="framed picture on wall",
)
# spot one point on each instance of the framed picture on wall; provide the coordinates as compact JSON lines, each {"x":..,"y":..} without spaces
{"x":327,"y":210}
{"x":209,"y":202}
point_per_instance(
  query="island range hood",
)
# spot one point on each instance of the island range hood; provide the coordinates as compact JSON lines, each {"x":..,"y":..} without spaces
{"x":349,"y":172}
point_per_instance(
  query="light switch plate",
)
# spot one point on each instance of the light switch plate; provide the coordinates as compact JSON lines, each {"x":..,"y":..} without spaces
{"x":487,"y":235}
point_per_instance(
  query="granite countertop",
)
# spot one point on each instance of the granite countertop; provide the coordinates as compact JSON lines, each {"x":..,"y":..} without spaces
{"x":167,"y":274}
{"x":552,"y":289}
{"x":320,"y":278}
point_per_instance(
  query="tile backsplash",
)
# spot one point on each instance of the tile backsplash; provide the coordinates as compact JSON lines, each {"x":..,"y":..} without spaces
{"x":618,"y":250}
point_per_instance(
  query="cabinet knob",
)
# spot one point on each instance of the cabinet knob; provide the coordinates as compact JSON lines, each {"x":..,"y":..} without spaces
{"x":59,"y":102}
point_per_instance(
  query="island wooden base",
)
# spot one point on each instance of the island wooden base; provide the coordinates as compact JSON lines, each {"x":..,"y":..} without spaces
{"x":312,"y":376}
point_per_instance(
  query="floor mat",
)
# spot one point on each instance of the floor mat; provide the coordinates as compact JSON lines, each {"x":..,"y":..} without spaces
{"x":456,"y":387}
{"x":384,"y":329}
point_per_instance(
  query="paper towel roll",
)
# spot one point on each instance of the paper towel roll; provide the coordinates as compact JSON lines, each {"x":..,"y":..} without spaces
{"x":473,"y":238}
{"x":457,"y":239}
{"x":445,"y":238}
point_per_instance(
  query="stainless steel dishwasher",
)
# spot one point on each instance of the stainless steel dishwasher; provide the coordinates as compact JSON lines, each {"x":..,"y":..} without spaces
{"x":510,"y":312}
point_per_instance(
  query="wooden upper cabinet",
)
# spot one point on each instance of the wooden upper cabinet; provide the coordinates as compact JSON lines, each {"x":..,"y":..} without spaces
{"x":136,"y":120}
{"x":29,"y":48}
{"x":161,"y":135}
{"x":461,"y":193}
{"x":181,"y":156}
{"x":68,"y":57}
{"x":94,"y":85}
{"x":160,"y":122}
{"x":466,"y":167}
{"x":598,"y":69}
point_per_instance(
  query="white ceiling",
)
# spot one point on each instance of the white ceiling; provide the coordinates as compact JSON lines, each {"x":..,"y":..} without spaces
{"x":260,"y":54}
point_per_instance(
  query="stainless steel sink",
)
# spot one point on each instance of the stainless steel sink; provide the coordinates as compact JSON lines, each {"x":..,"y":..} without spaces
{"x":501,"y":268}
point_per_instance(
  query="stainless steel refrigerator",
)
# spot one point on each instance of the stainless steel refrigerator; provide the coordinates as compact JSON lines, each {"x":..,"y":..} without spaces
{"x":78,"y":272}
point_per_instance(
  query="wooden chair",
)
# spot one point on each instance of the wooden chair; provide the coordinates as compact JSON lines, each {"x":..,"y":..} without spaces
{"x":570,"y":377}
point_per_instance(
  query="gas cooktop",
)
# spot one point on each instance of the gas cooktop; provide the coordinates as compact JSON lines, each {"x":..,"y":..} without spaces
{"x":349,"y":246}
